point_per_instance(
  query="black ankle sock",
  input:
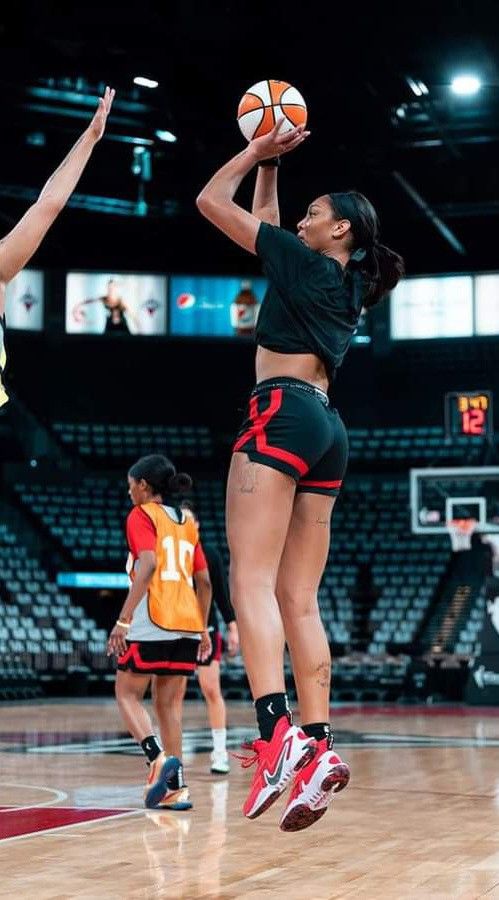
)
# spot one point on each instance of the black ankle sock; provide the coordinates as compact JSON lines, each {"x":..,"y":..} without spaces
{"x":269,"y":710}
{"x":319,"y":731}
{"x":151,"y":747}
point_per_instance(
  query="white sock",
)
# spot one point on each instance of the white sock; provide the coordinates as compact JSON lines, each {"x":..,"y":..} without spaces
{"x":219,"y":736}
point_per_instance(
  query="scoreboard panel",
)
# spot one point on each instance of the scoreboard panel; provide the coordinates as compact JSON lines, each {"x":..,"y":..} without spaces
{"x":469,"y":413}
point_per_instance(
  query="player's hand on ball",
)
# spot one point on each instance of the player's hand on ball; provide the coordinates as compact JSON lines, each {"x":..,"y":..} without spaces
{"x":275,"y":144}
{"x":98,"y":124}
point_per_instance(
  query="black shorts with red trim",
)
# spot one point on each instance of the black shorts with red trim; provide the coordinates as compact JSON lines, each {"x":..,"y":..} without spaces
{"x":290,"y":426}
{"x":178,"y":657}
{"x":217,"y":649}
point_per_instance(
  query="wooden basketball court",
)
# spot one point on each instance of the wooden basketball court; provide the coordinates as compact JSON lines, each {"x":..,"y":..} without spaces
{"x":420,"y":818}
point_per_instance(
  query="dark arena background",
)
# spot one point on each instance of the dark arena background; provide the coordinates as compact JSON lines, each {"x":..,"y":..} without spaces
{"x":410,"y":594}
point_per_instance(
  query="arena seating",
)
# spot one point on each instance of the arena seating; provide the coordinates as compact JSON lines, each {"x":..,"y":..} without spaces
{"x":370,"y":528}
{"x":411,"y":446}
{"x":380,"y":583}
{"x":467,"y":642}
{"x":42,"y":631}
{"x":113,"y":444}
{"x":87,"y":517}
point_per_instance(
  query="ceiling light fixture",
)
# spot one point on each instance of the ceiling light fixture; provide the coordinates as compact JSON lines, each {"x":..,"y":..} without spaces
{"x":142,"y":81}
{"x":465,"y":85}
{"x":417,"y":87}
{"x":166,"y":136}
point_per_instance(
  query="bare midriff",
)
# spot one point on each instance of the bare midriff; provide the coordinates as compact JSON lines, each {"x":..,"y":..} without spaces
{"x":305,"y":366}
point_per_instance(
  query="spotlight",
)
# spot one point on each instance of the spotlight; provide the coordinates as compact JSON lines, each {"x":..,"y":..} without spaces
{"x":465,"y":85}
{"x":165,"y":136}
{"x":417,"y":87}
{"x":145,"y":82}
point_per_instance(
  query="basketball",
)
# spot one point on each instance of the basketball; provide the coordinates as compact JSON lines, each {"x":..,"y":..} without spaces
{"x":265,"y":103}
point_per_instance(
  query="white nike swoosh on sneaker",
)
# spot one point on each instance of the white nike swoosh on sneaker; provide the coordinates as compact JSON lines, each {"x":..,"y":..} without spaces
{"x":270,"y":708}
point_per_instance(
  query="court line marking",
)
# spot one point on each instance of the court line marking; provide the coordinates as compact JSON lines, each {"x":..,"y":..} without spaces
{"x":436,"y":740}
{"x":59,"y":796}
{"x":422,"y":791}
{"x":193,"y":741}
{"x":104,"y":820}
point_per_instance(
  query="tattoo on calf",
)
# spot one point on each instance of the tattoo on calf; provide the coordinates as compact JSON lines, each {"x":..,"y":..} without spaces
{"x":320,"y":521}
{"x":324,"y":674}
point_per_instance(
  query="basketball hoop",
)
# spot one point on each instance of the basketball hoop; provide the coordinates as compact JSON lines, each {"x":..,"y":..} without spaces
{"x":460,"y":531}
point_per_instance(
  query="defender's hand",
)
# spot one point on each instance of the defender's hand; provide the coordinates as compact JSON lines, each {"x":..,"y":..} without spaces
{"x":98,"y":124}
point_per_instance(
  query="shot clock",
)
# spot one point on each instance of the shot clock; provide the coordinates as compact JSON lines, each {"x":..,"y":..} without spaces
{"x":469,"y":413}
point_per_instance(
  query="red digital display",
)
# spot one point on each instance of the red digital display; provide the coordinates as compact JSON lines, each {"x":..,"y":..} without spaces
{"x":473,"y":410}
{"x":468,"y":413}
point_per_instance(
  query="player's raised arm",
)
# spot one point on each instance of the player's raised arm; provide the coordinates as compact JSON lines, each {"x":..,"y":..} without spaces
{"x":265,"y":200}
{"x":17,"y":247}
{"x":216,"y":200}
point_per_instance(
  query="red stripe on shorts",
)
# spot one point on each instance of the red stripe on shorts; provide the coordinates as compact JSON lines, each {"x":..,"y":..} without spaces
{"x":257,"y":430}
{"x":323,"y":484}
{"x":217,"y":648}
{"x":133,"y":652}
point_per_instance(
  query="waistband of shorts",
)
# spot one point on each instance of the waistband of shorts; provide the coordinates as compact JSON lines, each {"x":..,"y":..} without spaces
{"x":291,"y":384}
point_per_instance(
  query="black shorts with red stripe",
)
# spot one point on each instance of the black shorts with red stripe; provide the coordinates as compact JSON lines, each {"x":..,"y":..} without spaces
{"x":290,"y":426}
{"x":177,"y":657}
{"x":217,"y":649}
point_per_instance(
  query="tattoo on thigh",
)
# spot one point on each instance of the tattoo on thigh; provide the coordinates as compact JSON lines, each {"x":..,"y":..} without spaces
{"x":323,"y":674}
{"x":247,"y":483}
{"x":320,"y":521}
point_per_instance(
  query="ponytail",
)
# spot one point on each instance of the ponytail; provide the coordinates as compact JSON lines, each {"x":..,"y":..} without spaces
{"x":381,"y":267}
{"x":180,"y":483}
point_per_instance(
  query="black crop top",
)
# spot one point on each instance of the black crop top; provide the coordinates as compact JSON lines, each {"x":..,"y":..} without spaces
{"x":312,"y":305}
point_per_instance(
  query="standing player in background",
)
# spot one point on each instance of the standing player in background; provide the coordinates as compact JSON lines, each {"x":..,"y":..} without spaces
{"x":162,"y":627}
{"x":290,"y":458}
{"x":19,"y":245}
{"x":209,"y":670}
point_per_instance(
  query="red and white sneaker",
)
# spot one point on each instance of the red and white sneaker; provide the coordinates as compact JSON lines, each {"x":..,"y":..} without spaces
{"x":277,"y":761}
{"x":314,"y":787}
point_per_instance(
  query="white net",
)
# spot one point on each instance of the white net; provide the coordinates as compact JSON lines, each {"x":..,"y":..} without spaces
{"x":460,"y":532}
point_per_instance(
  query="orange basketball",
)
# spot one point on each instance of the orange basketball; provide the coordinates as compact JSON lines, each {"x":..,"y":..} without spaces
{"x":265,"y":103}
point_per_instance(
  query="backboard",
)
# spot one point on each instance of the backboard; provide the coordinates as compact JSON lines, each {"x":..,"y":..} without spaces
{"x":465,"y":492}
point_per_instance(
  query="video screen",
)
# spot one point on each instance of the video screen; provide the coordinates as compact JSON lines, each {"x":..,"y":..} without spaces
{"x":432,"y":308}
{"x":25,"y":300}
{"x":487,"y":304}
{"x":214,"y":306}
{"x":104,"y":303}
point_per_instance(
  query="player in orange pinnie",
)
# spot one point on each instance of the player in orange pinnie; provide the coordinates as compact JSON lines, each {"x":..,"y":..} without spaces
{"x":161,"y":630}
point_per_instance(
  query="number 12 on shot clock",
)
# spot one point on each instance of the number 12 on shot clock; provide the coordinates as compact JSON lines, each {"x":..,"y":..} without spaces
{"x":469,"y":413}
